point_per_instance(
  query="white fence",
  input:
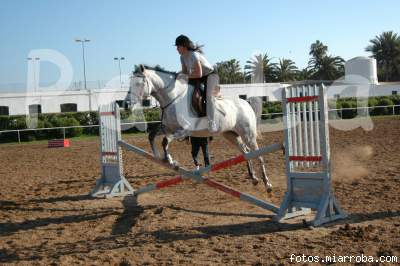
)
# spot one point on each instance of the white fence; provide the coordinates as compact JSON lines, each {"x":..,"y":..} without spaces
{"x":269,"y":116}
{"x":340,"y":111}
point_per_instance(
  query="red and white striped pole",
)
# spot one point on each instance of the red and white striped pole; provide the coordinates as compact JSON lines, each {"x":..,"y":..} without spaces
{"x":196,"y":175}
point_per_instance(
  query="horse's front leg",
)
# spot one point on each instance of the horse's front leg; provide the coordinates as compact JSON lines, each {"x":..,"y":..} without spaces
{"x":152,"y":137}
{"x":167,"y":157}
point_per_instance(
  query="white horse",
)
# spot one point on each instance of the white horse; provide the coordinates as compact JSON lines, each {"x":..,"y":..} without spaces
{"x":235,"y":118}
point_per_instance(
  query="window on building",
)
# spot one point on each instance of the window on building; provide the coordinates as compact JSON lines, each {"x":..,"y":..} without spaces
{"x":243,"y":96}
{"x":265,"y":99}
{"x":35,"y":109}
{"x":394,"y":92}
{"x":4,"y":110}
{"x":146,"y":102}
{"x":69,"y":107}
{"x":120,"y":103}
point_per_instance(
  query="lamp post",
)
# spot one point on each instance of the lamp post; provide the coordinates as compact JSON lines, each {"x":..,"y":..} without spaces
{"x":82,"y":41}
{"x":33,"y":59}
{"x":119,"y":64}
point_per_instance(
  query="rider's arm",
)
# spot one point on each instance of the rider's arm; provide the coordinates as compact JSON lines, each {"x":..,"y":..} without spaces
{"x":197,"y":72}
{"x":184,"y":69}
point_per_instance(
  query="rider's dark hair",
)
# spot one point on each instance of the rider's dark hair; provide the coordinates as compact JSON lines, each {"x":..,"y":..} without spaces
{"x":184,"y":41}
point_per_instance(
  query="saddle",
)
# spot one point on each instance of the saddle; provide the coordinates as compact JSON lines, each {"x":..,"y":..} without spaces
{"x":199,"y":98}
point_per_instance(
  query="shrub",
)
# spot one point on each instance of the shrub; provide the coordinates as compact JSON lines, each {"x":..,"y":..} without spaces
{"x":382,"y":101}
{"x":271,"y":107}
{"x":372,"y":102}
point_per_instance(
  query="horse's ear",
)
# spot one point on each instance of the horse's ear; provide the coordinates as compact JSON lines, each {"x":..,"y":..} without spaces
{"x":141,"y":68}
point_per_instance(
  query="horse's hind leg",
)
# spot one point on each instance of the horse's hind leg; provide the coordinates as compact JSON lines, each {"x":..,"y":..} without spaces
{"x":167,"y":157}
{"x":254,"y":146}
{"x":237,"y":141}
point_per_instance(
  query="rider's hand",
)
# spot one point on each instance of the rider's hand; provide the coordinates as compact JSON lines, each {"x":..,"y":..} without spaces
{"x":182,"y":76}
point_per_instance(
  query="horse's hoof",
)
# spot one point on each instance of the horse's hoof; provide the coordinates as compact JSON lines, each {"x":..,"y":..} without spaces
{"x":175,"y":165}
{"x":255,"y":182}
{"x":269,"y":188}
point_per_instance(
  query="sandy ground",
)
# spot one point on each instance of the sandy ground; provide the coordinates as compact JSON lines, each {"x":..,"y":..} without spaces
{"x":46,"y":217}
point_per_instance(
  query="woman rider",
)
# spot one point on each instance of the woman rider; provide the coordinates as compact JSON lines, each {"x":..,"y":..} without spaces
{"x":196,"y":66}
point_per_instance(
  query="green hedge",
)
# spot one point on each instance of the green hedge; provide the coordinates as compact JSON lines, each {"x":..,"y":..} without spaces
{"x":152,"y":114}
{"x":66,"y":120}
{"x":372,"y":101}
{"x":351,"y":102}
{"x":271,"y":107}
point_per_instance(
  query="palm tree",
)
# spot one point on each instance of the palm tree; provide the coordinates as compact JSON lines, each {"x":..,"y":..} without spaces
{"x":385,"y":48}
{"x":317,"y":51}
{"x":332,"y":67}
{"x":286,"y":70}
{"x":260,"y":69}
{"x":229,"y":72}
{"x":304,"y":74}
{"x":324,"y":66}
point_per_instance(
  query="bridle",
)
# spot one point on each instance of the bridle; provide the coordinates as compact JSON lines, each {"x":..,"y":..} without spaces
{"x":149,"y":93}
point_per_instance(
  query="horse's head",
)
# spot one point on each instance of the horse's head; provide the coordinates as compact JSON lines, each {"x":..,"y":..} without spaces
{"x":148,"y":81}
{"x":141,"y":86}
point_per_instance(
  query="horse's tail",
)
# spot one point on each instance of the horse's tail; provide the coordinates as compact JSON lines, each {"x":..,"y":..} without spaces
{"x":256,"y":104}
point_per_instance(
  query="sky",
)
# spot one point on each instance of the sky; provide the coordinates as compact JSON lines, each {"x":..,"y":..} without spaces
{"x":144,"y":31}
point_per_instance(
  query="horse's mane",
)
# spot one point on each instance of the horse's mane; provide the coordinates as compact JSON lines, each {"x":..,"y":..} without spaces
{"x":155,"y":68}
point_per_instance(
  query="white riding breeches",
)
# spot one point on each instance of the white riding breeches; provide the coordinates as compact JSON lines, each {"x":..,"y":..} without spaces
{"x":212,"y":91}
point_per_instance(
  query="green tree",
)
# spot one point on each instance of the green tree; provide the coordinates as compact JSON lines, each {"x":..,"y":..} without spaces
{"x":229,"y":72}
{"x":260,"y":69}
{"x":385,"y":48}
{"x":318,"y":51}
{"x":304,"y":74}
{"x":286,"y":70}
{"x":332,"y":67}
{"x":323,"y":66}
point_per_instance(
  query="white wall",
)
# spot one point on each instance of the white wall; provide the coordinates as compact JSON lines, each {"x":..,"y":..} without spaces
{"x":363,"y":90}
{"x":274,"y":90}
{"x":386,"y":88}
{"x":271,"y":90}
{"x":50,"y":102}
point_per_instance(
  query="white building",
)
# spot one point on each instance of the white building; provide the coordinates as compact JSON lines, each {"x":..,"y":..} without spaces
{"x":340,"y":89}
{"x":57,"y":101}
{"x":270,"y":92}
{"x":360,"y":81}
